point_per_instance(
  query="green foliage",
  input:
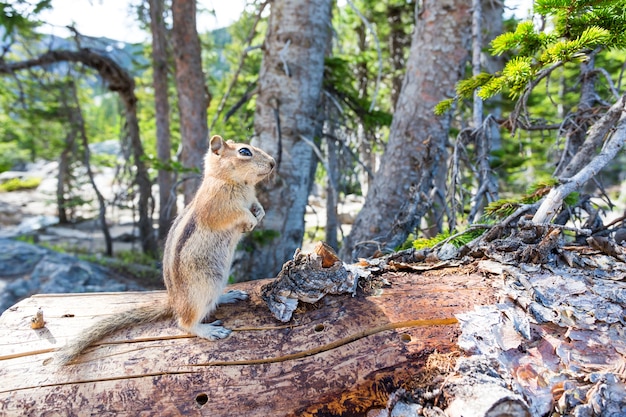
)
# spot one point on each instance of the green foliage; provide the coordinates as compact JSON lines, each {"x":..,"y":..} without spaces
{"x":10,"y":153}
{"x":465,"y":88}
{"x":15,"y":184}
{"x":172,"y":166}
{"x":444,"y":106}
{"x":503,"y":208}
{"x":258,"y":237}
{"x":579,"y":28}
{"x":25,"y":238}
{"x":264,"y":237}
{"x":457,"y":241}
{"x":338,"y":69}
{"x":104,"y":160}
{"x":524,"y":41}
{"x":429,"y":242}
{"x":538,"y":93}
{"x":135,"y":257}
{"x":128,"y":263}
{"x":467,"y":236}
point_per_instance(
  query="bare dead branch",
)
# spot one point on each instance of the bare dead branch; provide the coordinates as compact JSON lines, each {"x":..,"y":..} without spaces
{"x":243,"y":100}
{"x":350,"y":152}
{"x":598,"y":132}
{"x":520,"y":107}
{"x":608,"y":79}
{"x":324,"y":162}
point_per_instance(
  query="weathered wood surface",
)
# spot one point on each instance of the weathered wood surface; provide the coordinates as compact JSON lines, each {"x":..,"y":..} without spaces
{"x":342,"y":356}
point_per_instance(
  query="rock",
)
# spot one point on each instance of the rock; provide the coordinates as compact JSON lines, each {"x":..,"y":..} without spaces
{"x":30,"y":269}
{"x":347,"y":218}
{"x":18,"y":258}
{"x":10,"y":175}
{"x":28,"y":225}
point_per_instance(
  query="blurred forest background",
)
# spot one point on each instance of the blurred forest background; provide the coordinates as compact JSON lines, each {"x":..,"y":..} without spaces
{"x":438,"y":115}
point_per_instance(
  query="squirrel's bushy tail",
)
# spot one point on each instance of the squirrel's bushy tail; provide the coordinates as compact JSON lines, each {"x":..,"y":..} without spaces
{"x":144,"y":314}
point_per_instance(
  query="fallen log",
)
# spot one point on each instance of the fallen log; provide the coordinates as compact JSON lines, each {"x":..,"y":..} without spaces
{"x":342,"y":356}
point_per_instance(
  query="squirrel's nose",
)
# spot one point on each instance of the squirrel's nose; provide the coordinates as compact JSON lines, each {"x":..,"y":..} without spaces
{"x":272,"y":164}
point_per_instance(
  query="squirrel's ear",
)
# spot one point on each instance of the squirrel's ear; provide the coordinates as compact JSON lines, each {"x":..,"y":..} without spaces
{"x":217,"y":144}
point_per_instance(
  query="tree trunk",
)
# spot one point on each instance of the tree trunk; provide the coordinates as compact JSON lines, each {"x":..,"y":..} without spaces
{"x":165,"y":179}
{"x":64,"y":175}
{"x":477,"y":46}
{"x":399,"y":41}
{"x":332,"y":181}
{"x":486,"y":24}
{"x":193,"y":98}
{"x":78,"y":124}
{"x":363,"y":137}
{"x":417,"y":138}
{"x":287,"y":110}
{"x":144,"y":185}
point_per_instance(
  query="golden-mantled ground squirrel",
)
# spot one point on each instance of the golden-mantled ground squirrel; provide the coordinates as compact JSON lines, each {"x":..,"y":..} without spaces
{"x":200,"y":247}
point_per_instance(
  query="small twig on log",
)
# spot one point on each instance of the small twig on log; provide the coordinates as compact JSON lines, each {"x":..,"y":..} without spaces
{"x":37,"y":321}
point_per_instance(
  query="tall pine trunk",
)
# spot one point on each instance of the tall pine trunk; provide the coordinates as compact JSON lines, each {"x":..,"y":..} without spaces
{"x":286,"y":121}
{"x":165,"y":179}
{"x":399,"y":195}
{"x":193,"y":98}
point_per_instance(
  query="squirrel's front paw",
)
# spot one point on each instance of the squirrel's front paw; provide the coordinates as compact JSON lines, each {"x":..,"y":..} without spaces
{"x":247,"y":227}
{"x":249,"y":224}
{"x":257,"y":211}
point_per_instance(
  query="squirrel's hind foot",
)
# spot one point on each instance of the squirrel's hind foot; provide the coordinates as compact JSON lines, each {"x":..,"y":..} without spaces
{"x":232,"y":296}
{"x":210,"y":331}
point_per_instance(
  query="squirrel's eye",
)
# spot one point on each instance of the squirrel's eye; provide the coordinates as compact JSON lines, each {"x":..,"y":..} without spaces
{"x":245,"y":152}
